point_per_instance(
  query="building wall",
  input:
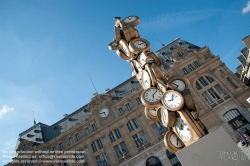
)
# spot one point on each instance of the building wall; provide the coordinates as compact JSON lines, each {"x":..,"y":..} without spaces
{"x":211,"y":114}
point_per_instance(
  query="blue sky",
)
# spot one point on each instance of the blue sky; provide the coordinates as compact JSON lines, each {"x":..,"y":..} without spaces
{"x":48,"y":49}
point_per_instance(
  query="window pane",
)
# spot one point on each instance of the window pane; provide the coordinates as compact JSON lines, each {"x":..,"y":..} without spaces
{"x":93,"y":147}
{"x":99,"y":142}
{"x":190,"y":67}
{"x":197,"y":64}
{"x":137,"y":140}
{"x":130,"y":127}
{"x":210,"y":79}
{"x":118,"y":152}
{"x":128,"y":107}
{"x":185,"y":70}
{"x":94,"y":127}
{"x":220,"y":90}
{"x":138,"y":100}
{"x":203,"y":81}
{"x":198,"y":86}
{"x":136,"y":123}
{"x":111,"y":137}
{"x":118,"y":134}
{"x":87,"y":131}
{"x":213,"y":94}
{"x":70,"y":141}
{"x":207,"y":98}
{"x":82,"y":153}
{"x":121,"y":111}
{"x":61,"y":146}
{"x":77,"y":136}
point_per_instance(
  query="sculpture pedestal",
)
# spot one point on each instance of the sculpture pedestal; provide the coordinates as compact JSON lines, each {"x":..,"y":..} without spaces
{"x":215,"y":149}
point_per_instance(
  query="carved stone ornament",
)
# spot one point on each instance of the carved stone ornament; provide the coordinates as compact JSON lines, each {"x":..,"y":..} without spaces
{"x":98,"y":99}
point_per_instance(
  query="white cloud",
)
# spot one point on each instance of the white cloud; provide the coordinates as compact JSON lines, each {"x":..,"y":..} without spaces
{"x":171,"y":20}
{"x":247,"y":8}
{"x":5,"y":109}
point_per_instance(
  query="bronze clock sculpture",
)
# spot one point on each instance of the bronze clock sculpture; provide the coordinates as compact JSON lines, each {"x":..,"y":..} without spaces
{"x":166,"y":100}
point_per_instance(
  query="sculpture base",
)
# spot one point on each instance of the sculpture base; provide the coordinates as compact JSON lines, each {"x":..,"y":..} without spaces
{"x":216,"y":148}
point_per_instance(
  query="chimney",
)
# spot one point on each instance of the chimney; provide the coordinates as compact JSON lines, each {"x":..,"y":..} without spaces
{"x":95,"y":94}
{"x":65,"y":115}
{"x":107,"y":90}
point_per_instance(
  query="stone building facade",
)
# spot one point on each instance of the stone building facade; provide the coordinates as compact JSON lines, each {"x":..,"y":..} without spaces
{"x":243,"y":71}
{"x":112,"y":129}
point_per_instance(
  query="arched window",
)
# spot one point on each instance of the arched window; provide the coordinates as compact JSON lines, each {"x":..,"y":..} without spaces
{"x":153,"y":161}
{"x":173,"y":159}
{"x":237,"y":121}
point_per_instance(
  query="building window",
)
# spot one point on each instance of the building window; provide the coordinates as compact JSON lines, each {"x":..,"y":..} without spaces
{"x":231,"y":82}
{"x":94,"y":147}
{"x":128,"y":107}
{"x":121,"y":111}
{"x":173,"y":159}
{"x":198,"y":86}
{"x":213,"y":94}
{"x":210,"y":79}
{"x":87,"y":131}
{"x":77,"y":136}
{"x":237,"y":121}
{"x":99,"y":143}
{"x":118,"y":134}
{"x":159,"y":129}
{"x":94,"y":127}
{"x":185,"y":70}
{"x":203,"y":81}
{"x":25,"y":147}
{"x":61,"y":146}
{"x":70,"y":141}
{"x":102,"y":160}
{"x":111,"y":137}
{"x":207,"y":98}
{"x":221,"y":91}
{"x":153,"y":161}
{"x":54,"y":149}
{"x":77,"y":157}
{"x":138,"y":100}
{"x":190,"y":67}
{"x":140,"y":139}
{"x":197,"y":64}
{"x":130,"y":127}
{"x":121,"y":150}
{"x":82,"y":153}
{"x":136,"y":123}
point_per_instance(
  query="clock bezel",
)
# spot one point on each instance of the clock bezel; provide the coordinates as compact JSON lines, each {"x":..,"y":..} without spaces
{"x":173,"y":108}
{"x":149,"y":115}
{"x":168,"y":144}
{"x":105,"y":115}
{"x":133,"y":23}
{"x":137,"y":50}
{"x":154,"y":104}
{"x":171,"y":117}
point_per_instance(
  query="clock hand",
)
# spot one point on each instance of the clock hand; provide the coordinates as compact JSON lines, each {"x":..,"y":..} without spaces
{"x":154,"y":95}
{"x":175,"y":85}
{"x":177,"y":141}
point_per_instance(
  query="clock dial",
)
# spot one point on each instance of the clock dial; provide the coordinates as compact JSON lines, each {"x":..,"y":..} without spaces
{"x":124,"y":47}
{"x":167,"y":118}
{"x":173,"y":100}
{"x":153,"y":111}
{"x":172,"y":142}
{"x":132,"y":20}
{"x":104,"y":113}
{"x":183,"y":129}
{"x":151,"y":97}
{"x":146,"y":80}
{"x":140,"y":44}
{"x":179,"y":84}
{"x":175,"y":141}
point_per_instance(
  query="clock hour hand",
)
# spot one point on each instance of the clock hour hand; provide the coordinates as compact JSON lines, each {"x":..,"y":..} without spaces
{"x":175,"y":85}
{"x":177,"y":141}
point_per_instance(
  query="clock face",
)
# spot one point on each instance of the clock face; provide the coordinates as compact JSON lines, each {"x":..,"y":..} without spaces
{"x":152,"y":95}
{"x":173,"y":100}
{"x":175,"y":141}
{"x":146,"y":80}
{"x":179,"y":84}
{"x":153,"y":111}
{"x":164,"y":116}
{"x":129,"y":19}
{"x":140,"y":44}
{"x":182,"y":129}
{"x":104,"y":113}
